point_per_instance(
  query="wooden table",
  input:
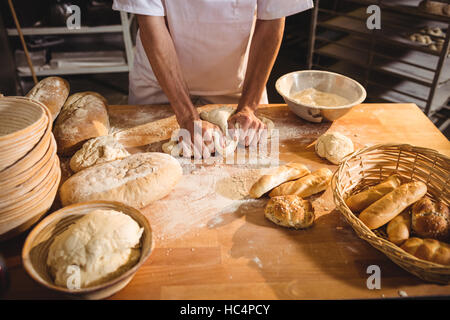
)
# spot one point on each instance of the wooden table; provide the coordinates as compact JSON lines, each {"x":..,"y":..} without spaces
{"x":235,"y":253}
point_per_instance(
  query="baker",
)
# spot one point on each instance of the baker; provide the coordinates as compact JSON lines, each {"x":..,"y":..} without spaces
{"x":205,"y":51}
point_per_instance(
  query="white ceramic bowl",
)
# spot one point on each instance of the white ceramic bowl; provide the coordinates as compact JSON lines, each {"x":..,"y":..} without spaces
{"x":325,"y":81}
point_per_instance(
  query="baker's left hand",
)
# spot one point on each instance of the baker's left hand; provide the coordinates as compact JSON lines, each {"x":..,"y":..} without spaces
{"x":245,"y":126}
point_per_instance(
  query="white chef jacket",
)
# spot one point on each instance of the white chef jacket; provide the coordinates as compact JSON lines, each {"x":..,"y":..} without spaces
{"x":211,"y":38}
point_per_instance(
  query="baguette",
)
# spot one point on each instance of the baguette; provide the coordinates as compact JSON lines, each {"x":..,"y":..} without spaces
{"x":431,"y":220}
{"x":306,"y":186}
{"x":358,"y":202}
{"x":136,"y":180}
{"x":388,"y":207}
{"x":428,"y":249}
{"x":82,"y":117}
{"x":282,"y":174}
{"x":399,"y":228}
{"x":52,"y":92}
{"x":290,"y":211}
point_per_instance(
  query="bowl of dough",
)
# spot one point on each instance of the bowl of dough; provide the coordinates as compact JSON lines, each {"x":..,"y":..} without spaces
{"x":88,"y":250}
{"x":317,"y":96}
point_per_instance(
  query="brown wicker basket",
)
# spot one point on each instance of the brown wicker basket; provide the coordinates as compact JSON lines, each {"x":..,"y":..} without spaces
{"x":368,"y":166}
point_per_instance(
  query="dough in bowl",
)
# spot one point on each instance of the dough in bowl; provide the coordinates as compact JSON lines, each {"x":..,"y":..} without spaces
{"x":96,"y":248}
{"x":334,"y":146}
{"x":97,"y":150}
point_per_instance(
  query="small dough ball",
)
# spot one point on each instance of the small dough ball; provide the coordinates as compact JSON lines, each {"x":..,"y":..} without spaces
{"x":334,"y":146}
{"x":97,"y":150}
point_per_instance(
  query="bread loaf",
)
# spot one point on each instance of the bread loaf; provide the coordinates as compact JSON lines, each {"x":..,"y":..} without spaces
{"x":431,"y":220}
{"x":136,"y":180}
{"x":82,"y":117}
{"x":282,"y":174}
{"x":306,"y":186}
{"x":52,"y":92}
{"x":399,"y":228}
{"x":428,"y":249}
{"x":290,"y":211}
{"x":96,"y":151}
{"x":362,"y":200}
{"x":388,"y":207}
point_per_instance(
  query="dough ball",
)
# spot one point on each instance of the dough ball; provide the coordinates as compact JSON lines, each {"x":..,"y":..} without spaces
{"x":101,"y":245}
{"x":98,"y":150}
{"x":333,"y":146}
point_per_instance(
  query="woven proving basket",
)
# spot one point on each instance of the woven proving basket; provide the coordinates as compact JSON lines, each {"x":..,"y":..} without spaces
{"x":367,"y":167}
{"x":36,"y":247}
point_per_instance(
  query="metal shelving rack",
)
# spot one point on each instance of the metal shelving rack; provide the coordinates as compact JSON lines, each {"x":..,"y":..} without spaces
{"x":123,"y":28}
{"x":386,"y":62}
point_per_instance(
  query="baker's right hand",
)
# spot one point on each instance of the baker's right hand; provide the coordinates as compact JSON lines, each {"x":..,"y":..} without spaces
{"x":202,"y":135}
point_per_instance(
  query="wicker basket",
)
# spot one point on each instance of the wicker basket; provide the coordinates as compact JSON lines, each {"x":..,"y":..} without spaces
{"x":368,"y":166}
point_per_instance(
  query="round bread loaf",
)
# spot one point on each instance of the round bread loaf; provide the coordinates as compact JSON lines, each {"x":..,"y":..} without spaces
{"x":431,"y":220}
{"x":136,"y":180}
{"x":97,"y":150}
{"x":290,"y":211}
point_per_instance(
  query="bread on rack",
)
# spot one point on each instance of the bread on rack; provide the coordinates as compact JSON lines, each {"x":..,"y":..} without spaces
{"x":388,"y":207}
{"x":399,"y":228}
{"x":431,"y":219}
{"x":304,"y":187}
{"x":280,"y":175}
{"x":83,"y":116}
{"x":362,"y":200}
{"x":52,"y":92}
{"x":290,"y":211}
{"x":428,"y":249}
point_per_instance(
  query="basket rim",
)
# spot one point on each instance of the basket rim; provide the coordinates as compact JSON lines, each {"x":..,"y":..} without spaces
{"x":348,"y":214}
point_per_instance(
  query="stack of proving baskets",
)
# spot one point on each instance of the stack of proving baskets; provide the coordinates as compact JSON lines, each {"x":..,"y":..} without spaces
{"x":368,"y":166}
{"x":29,"y":166}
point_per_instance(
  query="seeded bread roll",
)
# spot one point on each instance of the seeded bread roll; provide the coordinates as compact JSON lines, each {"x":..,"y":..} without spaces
{"x":290,"y":211}
{"x":431,"y":220}
{"x":52,"y":92}
{"x":388,"y":207}
{"x":282,"y":174}
{"x":306,"y":186}
{"x":136,"y":180}
{"x":428,"y":249}
{"x":83,"y":116}
{"x":362,"y":200}
{"x":399,"y":228}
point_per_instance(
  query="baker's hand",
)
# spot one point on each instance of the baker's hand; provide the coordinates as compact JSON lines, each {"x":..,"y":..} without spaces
{"x":246,"y":126}
{"x":202,"y":134}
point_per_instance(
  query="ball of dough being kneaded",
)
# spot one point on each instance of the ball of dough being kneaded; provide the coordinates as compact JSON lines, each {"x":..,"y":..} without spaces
{"x":334,"y":146}
{"x":101,"y":245}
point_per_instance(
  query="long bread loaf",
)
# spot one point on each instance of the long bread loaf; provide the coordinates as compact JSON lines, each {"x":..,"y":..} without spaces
{"x":388,"y":207}
{"x":306,"y":186}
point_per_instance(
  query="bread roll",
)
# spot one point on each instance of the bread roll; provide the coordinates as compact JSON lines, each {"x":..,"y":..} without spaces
{"x":399,"y":228}
{"x":431,"y":220}
{"x":136,"y":180}
{"x":282,"y":174}
{"x":52,"y":92}
{"x":358,"y":202}
{"x":306,"y":186}
{"x":82,"y":117}
{"x":428,"y":249}
{"x":290,"y":211}
{"x":388,"y":207}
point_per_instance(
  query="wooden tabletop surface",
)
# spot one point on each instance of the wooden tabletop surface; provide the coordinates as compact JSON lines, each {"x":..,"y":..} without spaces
{"x":211,"y":247}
